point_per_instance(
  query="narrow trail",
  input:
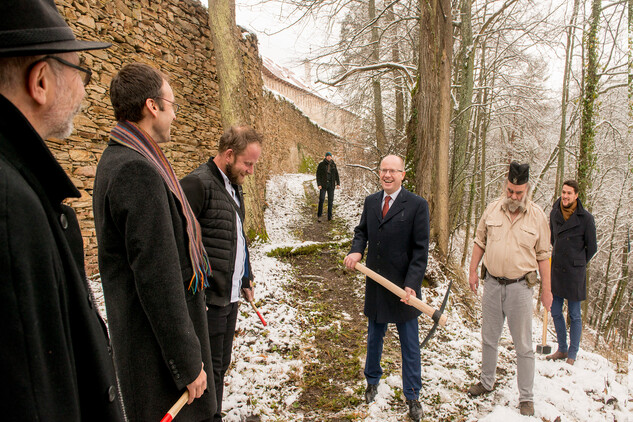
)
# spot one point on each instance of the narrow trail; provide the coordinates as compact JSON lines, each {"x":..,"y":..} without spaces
{"x":333,"y":355}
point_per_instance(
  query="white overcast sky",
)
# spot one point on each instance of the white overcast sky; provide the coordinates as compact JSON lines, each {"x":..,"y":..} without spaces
{"x":286,"y":47}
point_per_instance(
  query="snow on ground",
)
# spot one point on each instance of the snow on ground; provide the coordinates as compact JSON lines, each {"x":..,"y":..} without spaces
{"x":263,"y":378}
{"x":587,"y":391}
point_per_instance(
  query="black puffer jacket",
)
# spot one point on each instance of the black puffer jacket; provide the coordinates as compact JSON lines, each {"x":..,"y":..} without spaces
{"x":215,"y":210}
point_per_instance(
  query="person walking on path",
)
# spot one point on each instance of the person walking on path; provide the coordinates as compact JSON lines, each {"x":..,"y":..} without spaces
{"x":514,"y":241}
{"x":152,"y":262}
{"x":395,"y":225}
{"x":56,"y":364}
{"x":214,"y":191}
{"x":573,"y":233}
{"x":327,"y":179}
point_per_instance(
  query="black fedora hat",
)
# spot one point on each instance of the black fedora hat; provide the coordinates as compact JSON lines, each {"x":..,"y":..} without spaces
{"x":31,"y":27}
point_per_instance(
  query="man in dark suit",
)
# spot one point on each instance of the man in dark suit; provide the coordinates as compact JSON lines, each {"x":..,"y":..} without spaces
{"x":54,"y":350}
{"x":573,"y":234}
{"x":395,"y":223}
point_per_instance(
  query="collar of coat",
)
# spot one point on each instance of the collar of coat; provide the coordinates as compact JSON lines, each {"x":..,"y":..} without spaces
{"x":573,"y":220}
{"x":215,"y":170}
{"x":395,"y":207}
{"x":23,"y":147}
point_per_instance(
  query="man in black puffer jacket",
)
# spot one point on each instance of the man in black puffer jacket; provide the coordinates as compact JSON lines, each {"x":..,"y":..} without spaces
{"x":214,"y":191}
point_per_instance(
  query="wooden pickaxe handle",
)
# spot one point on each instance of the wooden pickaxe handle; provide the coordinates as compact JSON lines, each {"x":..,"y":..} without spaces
{"x":544,"y":326}
{"x":171,"y":414}
{"x":261,"y":318}
{"x":413,"y":301}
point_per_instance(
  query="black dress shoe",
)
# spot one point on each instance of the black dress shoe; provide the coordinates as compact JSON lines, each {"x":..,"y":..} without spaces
{"x":415,"y":410}
{"x":370,"y":392}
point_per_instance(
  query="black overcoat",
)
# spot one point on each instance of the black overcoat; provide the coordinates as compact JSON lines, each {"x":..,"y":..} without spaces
{"x":323,"y":179}
{"x":158,"y":327}
{"x":573,"y":245}
{"x":54,"y":350}
{"x":397,"y":248}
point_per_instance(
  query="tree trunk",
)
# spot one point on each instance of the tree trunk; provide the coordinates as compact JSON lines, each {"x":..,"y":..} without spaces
{"x":560,"y":168}
{"x":229,"y":65}
{"x":234,"y":98}
{"x":399,"y":84}
{"x":433,"y":114}
{"x":587,"y":156}
{"x":463,"y":118}
{"x":381,"y":137}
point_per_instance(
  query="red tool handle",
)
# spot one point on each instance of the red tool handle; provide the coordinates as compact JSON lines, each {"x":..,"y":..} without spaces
{"x":258,"y":314}
{"x":171,"y":414}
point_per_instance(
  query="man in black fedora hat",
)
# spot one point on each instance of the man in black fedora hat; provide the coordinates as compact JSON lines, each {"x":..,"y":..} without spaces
{"x":513,"y":238}
{"x":54,"y":349}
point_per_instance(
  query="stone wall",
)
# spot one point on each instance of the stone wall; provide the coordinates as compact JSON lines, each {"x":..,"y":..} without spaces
{"x":172,"y":35}
{"x":291,"y":136}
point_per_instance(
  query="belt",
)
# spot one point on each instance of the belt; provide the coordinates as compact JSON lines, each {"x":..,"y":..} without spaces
{"x":505,"y":281}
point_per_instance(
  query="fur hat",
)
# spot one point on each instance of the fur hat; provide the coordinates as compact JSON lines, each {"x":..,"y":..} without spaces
{"x":518,"y":174}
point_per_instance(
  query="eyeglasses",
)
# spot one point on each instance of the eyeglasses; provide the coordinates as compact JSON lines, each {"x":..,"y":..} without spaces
{"x":175,"y":105}
{"x":87,"y":72}
{"x":391,"y":171}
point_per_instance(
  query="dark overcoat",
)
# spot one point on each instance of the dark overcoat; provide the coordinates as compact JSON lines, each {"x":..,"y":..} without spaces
{"x":573,"y":245}
{"x":158,"y":326}
{"x":324,"y":179}
{"x":54,"y":350}
{"x":397,"y":248}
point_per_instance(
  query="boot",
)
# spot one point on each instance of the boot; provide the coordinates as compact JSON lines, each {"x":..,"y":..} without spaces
{"x":415,"y":410}
{"x":558,"y":355}
{"x":526,"y":408}
{"x":370,"y":392}
{"x":478,"y":389}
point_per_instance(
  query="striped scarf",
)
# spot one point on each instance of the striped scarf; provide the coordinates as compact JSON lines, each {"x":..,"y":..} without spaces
{"x":130,"y":135}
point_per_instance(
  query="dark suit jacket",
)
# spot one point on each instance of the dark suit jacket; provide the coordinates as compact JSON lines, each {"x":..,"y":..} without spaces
{"x":398,"y":248}
{"x":573,"y":245}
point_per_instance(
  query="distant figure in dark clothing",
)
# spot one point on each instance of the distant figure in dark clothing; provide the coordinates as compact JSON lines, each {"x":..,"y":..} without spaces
{"x":327,"y":180}
{"x":573,"y":234}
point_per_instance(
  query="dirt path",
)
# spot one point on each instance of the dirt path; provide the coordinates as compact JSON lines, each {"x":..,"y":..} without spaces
{"x":334,"y":337}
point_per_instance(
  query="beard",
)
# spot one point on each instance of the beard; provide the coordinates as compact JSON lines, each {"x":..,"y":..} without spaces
{"x":233,"y":174}
{"x":59,"y":118}
{"x":514,"y":205}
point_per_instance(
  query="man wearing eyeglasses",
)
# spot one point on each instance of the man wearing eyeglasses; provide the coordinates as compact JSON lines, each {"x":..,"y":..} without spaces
{"x":153,"y":265}
{"x":395,"y":225}
{"x":54,"y":349}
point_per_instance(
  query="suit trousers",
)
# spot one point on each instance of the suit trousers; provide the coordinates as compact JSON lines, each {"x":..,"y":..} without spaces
{"x":222,"y":321}
{"x":575,"y":325}
{"x":514,"y":302}
{"x":330,"y":202}
{"x":409,"y":348}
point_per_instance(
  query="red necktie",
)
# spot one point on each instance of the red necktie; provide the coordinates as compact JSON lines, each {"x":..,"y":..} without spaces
{"x":385,"y":207}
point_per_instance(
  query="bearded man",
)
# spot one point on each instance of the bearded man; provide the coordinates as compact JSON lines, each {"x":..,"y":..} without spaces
{"x":513,"y":238}
{"x":214,"y":191}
